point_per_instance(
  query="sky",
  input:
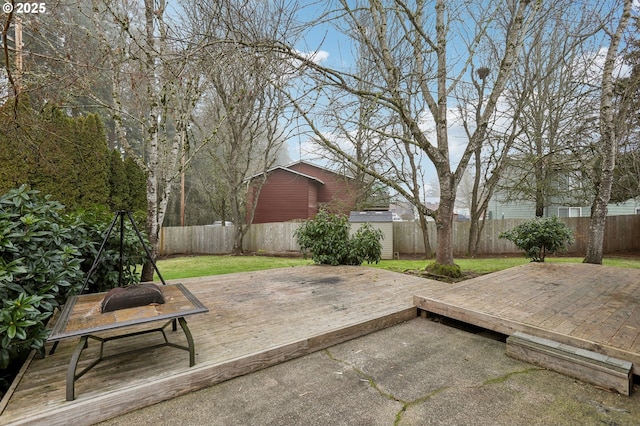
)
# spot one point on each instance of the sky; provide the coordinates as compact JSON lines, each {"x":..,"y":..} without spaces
{"x":332,"y":49}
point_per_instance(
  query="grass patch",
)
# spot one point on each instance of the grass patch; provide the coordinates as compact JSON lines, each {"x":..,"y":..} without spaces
{"x":200,"y":266}
{"x":494,"y":264}
{"x":480,"y":266}
{"x":622,"y":262}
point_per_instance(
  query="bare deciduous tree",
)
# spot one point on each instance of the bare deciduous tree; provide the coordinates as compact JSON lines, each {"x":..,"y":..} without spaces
{"x":556,"y":112}
{"x":538,"y":136}
{"x":608,"y":147}
{"x":245,"y":95}
{"x":415,"y":49}
{"x":154,"y":88}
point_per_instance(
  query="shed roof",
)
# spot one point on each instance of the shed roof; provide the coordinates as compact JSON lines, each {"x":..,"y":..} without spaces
{"x":371,"y":216}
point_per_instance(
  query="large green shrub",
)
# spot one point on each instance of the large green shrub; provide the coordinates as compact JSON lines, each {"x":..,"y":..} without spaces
{"x":326,"y":238}
{"x":40,"y":266}
{"x":44,"y":255}
{"x":365,"y":245}
{"x":539,"y":237}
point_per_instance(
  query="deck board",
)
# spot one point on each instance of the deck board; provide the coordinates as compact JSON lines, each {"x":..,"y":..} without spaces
{"x":262,"y":318}
{"x":592,"y":307}
{"x":255,"y":320}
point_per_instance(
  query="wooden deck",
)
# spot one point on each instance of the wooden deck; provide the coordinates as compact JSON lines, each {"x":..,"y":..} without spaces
{"x":263,"y":318}
{"x":255,"y":320}
{"x":587,"y":306}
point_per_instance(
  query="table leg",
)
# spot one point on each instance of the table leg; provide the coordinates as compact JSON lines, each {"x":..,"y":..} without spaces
{"x":73,"y":364}
{"x":192,"y":351}
{"x":53,"y":348}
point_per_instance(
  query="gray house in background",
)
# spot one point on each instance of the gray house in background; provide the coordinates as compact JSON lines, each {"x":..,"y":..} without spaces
{"x":498,"y":209}
{"x":564,"y":191}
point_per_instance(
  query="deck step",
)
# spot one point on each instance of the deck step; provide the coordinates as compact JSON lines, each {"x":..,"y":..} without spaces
{"x":588,"y":366}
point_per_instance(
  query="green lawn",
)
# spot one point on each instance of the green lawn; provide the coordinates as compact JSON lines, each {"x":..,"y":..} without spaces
{"x":487,"y":265}
{"x":198,"y":266}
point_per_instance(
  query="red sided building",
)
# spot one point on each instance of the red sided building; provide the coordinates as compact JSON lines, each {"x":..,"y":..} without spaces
{"x":299,"y":190}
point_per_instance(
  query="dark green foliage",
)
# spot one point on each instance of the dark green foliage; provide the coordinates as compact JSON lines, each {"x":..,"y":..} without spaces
{"x":326,"y":237}
{"x":119,"y":194}
{"x":96,"y":222}
{"x":17,"y":151}
{"x":365,"y":245}
{"x":44,"y":256}
{"x":39,"y":267}
{"x":128,"y":184}
{"x":67,"y":157}
{"x":92,"y":154}
{"x":137,"y":191}
{"x":539,"y":237}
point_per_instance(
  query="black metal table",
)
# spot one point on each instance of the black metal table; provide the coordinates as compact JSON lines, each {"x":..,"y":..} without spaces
{"x":82,"y":317}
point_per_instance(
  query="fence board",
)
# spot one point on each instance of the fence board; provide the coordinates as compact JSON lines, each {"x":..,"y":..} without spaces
{"x":196,"y":240}
{"x":272,"y":237}
{"x":622,"y":233}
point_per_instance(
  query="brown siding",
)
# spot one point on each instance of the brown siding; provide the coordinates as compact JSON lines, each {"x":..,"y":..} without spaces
{"x":284,"y":196}
{"x":338,"y":192}
{"x":312,"y":203}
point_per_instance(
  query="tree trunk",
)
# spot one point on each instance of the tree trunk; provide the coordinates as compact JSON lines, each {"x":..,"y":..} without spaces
{"x":474,"y":234}
{"x":596,"y":231}
{"x":152,"y":129}
{"x":238,"y":238}
{"x":539,"y":203}
{"x":444,"y":221}
{"x":428,"y":254}
{"x":609,"y":146}
{"x":474,"y":215}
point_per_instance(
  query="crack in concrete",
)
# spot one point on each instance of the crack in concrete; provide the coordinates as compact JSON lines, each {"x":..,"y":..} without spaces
{"x":371,"y":381}
{"x":408,"y":404}
{"x":506,"y":377}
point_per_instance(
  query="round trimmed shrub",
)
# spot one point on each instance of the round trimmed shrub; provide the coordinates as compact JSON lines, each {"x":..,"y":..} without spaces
{"x":326,"y":239}
{"x":539,"y":237}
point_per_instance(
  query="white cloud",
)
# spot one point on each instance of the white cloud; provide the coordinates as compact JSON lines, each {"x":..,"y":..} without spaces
{"x":595,"y":63}
{"x":318,"y":56}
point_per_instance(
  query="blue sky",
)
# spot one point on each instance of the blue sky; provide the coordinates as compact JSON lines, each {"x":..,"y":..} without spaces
{"x":333,"y":49}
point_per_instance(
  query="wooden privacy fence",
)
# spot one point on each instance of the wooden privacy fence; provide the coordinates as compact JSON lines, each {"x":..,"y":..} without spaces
{"x":622,"y":233}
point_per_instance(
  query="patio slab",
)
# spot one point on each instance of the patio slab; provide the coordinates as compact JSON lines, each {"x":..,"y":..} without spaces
{"x":416,"y":373}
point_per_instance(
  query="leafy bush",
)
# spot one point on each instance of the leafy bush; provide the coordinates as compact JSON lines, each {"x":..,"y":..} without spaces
{"x":44,"y":256}
{"x":40,"y":266}
{"x":326,"y":237}
{"x":365,"y":245}
{"x":539,"y":237}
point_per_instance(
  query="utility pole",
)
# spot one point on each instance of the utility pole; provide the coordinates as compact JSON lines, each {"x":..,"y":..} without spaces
{"x":182,"y":195}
